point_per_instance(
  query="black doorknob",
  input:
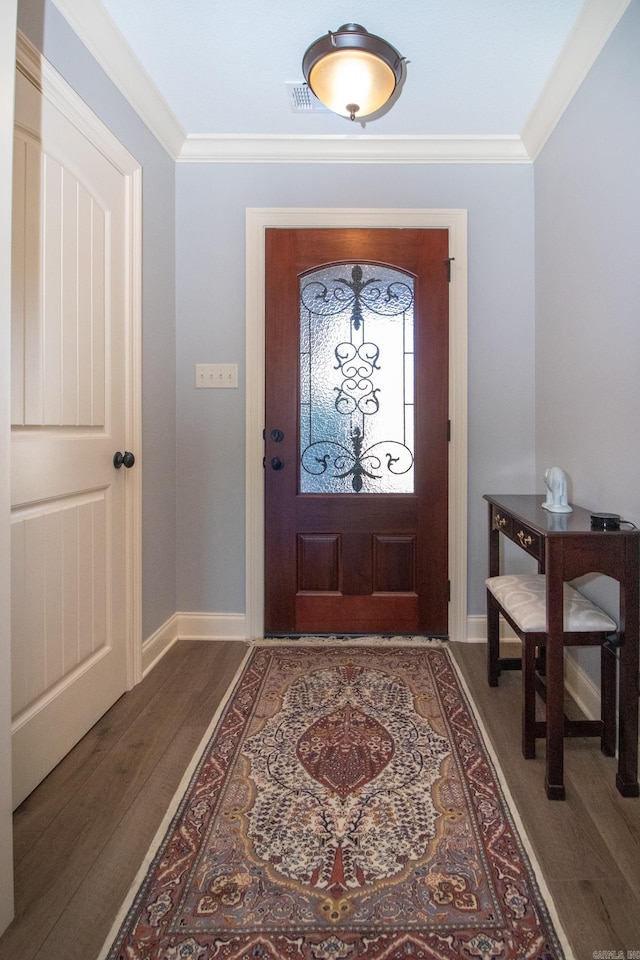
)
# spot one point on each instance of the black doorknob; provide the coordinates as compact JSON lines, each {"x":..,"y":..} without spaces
{"x":123,"y":459}
{"x":277,"y":436}
{"x":277,"y":463}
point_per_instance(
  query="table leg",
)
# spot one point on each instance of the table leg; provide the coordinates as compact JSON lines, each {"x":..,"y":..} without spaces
{"x":555,"y":684}
{"x":493,"y":641}
{"x":493,"y":617}
{"x":529,"y":650}
{"x":608,"y":681}
{"x":554,"y":782}
{"x":627,"y":776}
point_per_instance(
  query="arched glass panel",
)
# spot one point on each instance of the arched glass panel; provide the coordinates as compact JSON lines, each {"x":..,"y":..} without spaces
{"x":356,"y":380}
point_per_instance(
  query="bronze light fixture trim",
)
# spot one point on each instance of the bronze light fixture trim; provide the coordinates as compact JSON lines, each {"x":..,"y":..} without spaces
{"x":351,"y":71}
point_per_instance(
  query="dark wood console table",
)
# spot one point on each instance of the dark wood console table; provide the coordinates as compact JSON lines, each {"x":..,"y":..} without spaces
{"x":565,"y":547}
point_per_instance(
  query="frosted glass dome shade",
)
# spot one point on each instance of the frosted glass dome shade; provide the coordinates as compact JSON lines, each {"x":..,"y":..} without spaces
{"x":345,"y":80}
{"x":352,"y":72}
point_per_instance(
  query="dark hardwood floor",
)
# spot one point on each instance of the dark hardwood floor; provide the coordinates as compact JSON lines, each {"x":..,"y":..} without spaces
{"x":82,"y":834}
{"x":588,"y":846}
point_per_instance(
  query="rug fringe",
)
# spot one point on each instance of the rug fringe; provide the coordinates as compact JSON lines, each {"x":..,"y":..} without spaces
{"x":347,"y":640}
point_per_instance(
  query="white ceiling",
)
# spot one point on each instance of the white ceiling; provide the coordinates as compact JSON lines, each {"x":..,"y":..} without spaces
{"x":477,"y":68}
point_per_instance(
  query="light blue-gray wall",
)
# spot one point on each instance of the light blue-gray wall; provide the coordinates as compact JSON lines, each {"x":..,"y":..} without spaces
{"x":49,"y":32}
{"x":587,"y":207}
{"x":520,"y":375}
{"x":210,"y":221}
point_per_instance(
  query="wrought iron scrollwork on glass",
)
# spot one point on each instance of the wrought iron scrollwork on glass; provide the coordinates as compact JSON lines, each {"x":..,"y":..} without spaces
{"x":356,"y":380}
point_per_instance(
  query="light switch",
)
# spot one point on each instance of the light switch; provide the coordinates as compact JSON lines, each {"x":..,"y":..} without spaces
{"x":216,"y":375}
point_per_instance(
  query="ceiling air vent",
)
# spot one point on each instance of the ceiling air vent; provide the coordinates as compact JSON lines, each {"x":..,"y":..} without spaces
{"x":302,"y":99}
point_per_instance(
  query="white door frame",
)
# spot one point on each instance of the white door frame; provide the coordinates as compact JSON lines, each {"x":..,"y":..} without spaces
{"x":52,"y":85}
{"x":8,"y":16}
{"x":257,"y":221}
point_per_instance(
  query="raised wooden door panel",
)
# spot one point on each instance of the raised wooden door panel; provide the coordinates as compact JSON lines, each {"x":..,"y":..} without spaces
{"x":352,"y":562}
{"x":394,"y":563}
{"x":70,"y":394}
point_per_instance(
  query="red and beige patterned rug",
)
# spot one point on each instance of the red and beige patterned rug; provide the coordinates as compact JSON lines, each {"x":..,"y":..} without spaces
{"x":345,"y":806}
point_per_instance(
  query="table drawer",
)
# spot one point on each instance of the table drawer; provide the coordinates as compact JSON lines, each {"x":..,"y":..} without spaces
{"x":528,"y":539}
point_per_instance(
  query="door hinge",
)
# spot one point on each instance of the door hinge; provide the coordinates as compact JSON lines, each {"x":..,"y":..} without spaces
{"x":449,"y":430}
{"x":449,"y":261}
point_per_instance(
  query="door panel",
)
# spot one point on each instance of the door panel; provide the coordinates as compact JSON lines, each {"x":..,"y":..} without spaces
{"x":69,"y":413}
{"x":355,"y":561}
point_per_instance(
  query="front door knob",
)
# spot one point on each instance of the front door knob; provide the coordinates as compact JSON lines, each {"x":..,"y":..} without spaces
{"x":277,"y":463}
{"x":125,"y":459}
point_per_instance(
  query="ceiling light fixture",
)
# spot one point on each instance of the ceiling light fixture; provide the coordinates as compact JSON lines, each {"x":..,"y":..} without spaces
{"x":351,"y":71}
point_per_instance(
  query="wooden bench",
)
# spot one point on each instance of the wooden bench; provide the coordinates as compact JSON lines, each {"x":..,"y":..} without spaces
{"x":521,"y":600}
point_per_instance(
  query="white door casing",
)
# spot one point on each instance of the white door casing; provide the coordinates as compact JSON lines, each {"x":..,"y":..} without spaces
{"x":76,"y":644}
{"x":257,"y":221}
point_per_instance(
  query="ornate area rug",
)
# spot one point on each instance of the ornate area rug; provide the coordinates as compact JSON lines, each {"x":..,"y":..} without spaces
{"x":344,"y":807}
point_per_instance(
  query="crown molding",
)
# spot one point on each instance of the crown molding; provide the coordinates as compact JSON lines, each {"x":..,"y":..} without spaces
{"x":595,"y":24}
{"x":92,"y":24}
{"x":199,"y":148}
{"x":95,"y":28}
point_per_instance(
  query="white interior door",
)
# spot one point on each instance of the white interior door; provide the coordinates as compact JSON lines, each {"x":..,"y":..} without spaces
{"x":73,"y":377}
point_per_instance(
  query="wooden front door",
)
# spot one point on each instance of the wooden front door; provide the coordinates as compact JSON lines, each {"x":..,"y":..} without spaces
{"x":356,"y":431}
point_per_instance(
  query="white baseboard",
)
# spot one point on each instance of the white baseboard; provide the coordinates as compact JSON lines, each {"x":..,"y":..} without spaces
{"x":581,"y":687}
{"x":477,"y":629}
{"x":191,"y":626}
{"x":155,"y":646}
{"x":212,"y":626}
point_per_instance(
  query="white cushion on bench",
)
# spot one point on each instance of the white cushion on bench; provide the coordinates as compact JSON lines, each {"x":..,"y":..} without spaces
{"x":524,"y":598}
